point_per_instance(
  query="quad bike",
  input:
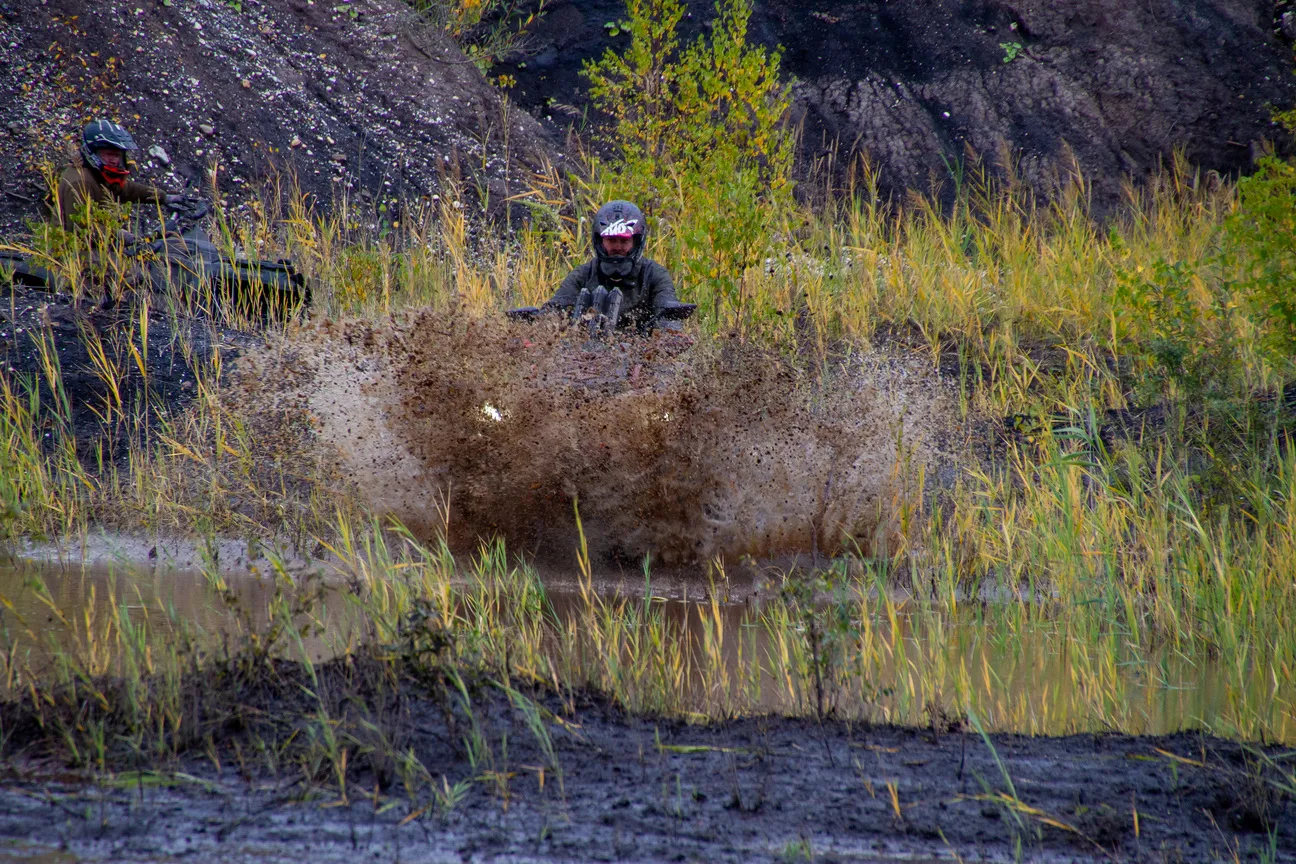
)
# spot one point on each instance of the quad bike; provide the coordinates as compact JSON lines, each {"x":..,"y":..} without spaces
{"x":188,"y":263}
{"x":603,"y":309}
{"x":179,"y":260}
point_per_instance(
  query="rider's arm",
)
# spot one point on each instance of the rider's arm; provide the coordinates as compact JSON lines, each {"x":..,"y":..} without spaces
{"x":138,"y":193}
{"x":661,"y":288}
{"x":570,"y":288}
{"x":72,"y":195}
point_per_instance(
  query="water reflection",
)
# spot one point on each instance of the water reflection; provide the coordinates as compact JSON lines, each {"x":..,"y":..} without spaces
{"x":908,"y":665}
{"x":47,"y":606}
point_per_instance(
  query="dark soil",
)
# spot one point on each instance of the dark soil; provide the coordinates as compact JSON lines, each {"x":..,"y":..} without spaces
{"x":381,"y":106}
{"x":915,"y":83}
{"x":763,"y":789}
{"x":30,"y":317}
{"x":379,"y":102}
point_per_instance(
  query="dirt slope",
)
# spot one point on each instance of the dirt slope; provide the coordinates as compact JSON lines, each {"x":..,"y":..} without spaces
{"x":915,"y":82}
{"x":379,"y":105}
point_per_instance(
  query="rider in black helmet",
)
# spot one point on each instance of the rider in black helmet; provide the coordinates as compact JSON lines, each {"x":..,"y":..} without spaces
{"x":104,"y":174}
{"x":618,"y":240}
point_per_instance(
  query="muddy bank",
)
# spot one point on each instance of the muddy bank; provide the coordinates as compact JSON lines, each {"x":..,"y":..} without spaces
{"x":44,"y":331}
{"x":683,"y":451}
{"x":131,"y":552}
{"x":914,"y":84}
{"x":618,"y":788}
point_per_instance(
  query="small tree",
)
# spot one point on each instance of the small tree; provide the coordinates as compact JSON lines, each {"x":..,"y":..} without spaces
{"x":701,"y":140}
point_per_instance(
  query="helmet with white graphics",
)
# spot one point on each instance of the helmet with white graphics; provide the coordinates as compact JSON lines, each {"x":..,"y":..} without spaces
{"x":619,"y":219}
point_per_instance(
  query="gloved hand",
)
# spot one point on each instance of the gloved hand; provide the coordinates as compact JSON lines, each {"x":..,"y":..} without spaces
{"x":173,"y":200}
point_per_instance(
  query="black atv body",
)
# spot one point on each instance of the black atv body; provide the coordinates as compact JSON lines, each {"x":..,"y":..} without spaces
{"x":181,"y":262}
{"x":193,"y":268}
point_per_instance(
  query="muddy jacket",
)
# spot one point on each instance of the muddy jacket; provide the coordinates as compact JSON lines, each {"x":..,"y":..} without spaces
{"x":80,"y":184}
{"x":645,"y":291}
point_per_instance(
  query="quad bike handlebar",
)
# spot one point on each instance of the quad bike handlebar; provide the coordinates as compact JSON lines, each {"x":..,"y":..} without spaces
{"x":677,"y":311}
{"x":672,"y":311}
{"x":185,"y":214}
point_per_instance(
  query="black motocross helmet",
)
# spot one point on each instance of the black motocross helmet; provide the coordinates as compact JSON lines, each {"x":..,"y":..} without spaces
{"x":105,"y":133}
{"x":619,"y":219}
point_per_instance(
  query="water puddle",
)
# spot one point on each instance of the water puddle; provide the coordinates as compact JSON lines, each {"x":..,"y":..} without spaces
{"x":901,"y":664}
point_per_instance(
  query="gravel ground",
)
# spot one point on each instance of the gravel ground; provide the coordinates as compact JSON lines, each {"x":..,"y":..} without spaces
{"x":352,"y":96}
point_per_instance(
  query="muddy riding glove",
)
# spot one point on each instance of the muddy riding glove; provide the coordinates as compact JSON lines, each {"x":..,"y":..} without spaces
{"x":173,"y":200}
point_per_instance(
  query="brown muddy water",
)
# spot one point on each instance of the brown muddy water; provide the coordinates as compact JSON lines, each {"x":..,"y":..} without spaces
{"x":607,"y":786}
{"x":1037,"y":681}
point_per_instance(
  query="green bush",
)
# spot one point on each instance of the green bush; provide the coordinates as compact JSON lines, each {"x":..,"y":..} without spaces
{"x":1181,"y":327}
{"x":1223,"y":324}
{"x":1260,"y":243}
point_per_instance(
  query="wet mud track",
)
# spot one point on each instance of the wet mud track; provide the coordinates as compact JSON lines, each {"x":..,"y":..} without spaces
{"x":641,"y":790}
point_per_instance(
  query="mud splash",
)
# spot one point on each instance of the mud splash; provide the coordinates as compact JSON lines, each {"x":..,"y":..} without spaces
{"x":674,"y":448}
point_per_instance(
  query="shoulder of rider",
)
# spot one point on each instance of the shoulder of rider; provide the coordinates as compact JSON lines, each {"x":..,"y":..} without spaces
{"x":567,"y":292}
{"x":80,"y":180}
{"x":76,"y":187}
{"x":657,"y":276}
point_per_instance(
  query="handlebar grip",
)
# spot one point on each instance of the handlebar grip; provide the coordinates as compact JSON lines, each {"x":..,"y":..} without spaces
{"x":677,"y":311}
{"x":523,"y":313}
{"x":582,"y":303}
{"x":614,"y":299}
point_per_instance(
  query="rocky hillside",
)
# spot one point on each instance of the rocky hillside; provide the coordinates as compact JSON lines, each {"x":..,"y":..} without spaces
{"x":914,"y":83}
{"x":352,"y":95}
{"x":355,"y":96}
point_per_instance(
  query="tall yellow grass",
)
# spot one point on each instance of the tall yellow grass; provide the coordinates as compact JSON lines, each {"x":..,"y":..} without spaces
{"x":1110,"y":579}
